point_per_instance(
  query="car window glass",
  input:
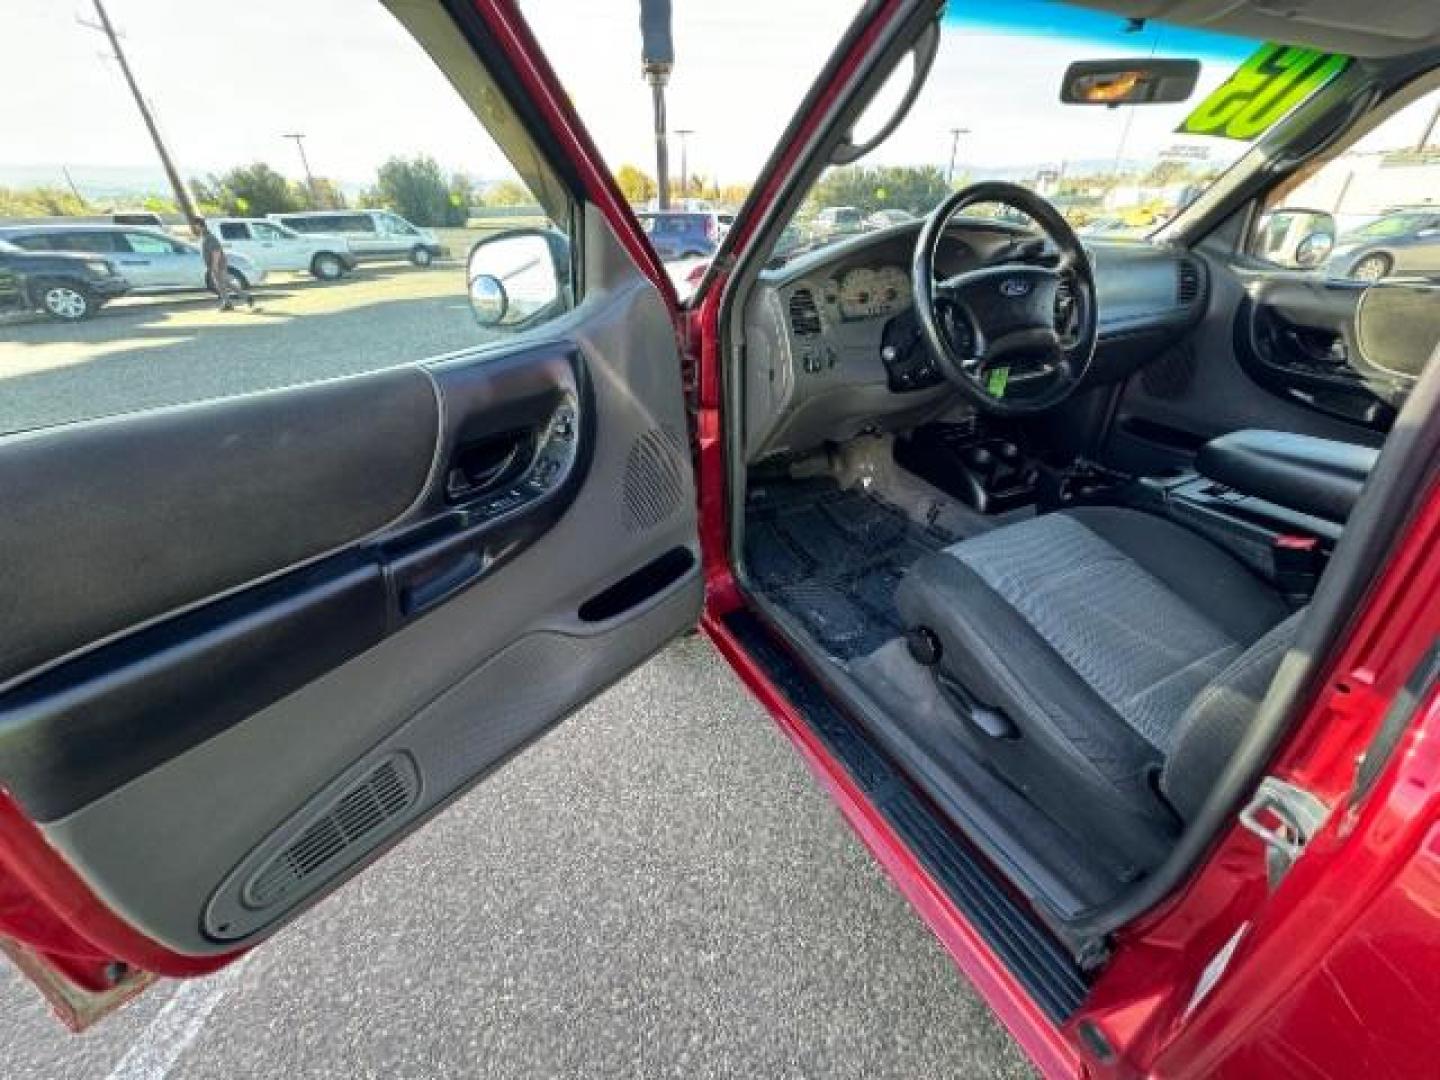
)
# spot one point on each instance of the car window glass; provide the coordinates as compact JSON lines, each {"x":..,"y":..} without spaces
{"x":741,"y":69}
{"x":94,"y":241}
{"x":146,"y":244}
{"x":422,"y":138}
{"x":1362,"y":214}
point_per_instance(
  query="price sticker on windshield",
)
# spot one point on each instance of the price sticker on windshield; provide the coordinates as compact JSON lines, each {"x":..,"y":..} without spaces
{"x":1261,"y":91}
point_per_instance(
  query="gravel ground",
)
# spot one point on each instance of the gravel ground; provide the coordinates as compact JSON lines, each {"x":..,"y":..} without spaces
{"x":657,"y":889}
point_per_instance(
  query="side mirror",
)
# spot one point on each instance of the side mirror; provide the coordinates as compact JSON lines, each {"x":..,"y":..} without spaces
{"x":1129,"y":82}
{"x":518,"y":277}
{"x":1295,"y":238}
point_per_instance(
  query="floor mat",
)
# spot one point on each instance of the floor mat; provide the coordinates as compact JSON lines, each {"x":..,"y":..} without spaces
{"x":834,"y":559}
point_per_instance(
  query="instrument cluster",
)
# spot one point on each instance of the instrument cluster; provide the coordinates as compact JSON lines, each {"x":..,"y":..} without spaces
{"x":864,"y":292}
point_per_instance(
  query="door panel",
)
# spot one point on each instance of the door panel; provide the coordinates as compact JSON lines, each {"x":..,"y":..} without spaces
{"x":251,"y":487}
{"x":1200,"y":388}
{"x":317,"y":614}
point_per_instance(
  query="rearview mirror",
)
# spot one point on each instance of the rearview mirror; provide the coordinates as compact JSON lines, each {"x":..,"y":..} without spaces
{"x":1295,"y":238}
{"x":1129,"y":82}
{"x":518,"y":277}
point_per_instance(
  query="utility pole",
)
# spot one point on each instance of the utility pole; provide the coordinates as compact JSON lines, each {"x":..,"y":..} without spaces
{"x":299,"y":138}
{"x":70,"y":180}
{"x":955,"y":134}
{"x":684,"y":134}
{"x":657,"y":58}
{"x":182,"y":194}
{"x":1429,"y":128}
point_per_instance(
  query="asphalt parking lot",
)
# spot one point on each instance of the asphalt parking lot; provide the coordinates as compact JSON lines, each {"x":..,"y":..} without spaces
{"x":148,"y":351}
{"x":658,"y":888}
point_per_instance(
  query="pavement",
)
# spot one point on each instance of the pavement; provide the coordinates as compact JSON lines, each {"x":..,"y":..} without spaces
{"x":149,"y":351}
{"x":658,"y":888}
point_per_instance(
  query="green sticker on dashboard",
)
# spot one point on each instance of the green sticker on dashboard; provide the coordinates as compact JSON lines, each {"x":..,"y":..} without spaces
{"x":1263,"y":89}
{"x":996,"y":381}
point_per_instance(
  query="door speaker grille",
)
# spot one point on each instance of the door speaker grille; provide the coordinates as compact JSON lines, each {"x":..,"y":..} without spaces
{"x":654,"y":479}
{"x":383,"y":794}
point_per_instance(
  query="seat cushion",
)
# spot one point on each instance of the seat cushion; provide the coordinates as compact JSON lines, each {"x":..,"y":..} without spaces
{"x":1092,"y":630}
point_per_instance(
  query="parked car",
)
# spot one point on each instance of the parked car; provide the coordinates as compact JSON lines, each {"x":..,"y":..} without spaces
{"x":685,"y":234}
{"x":1403,"y":241}
{"x":883,"y":219}
{"x":838,"y":219}
{"x":273,"y":246}
{"x":372,"y":234}
{"x":63,"y":286}
{"x":145,"y":219}
{"x":150,"y":260}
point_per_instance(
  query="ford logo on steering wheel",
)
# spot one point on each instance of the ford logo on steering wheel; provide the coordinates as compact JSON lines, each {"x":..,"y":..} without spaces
{"x":1014,"y":287}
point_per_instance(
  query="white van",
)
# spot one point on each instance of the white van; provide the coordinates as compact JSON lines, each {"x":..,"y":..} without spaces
{"x":273,"y":246}
{"x":372,"y":234}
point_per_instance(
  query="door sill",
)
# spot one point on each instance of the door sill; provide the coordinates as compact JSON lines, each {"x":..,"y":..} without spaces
{"x":1012,"y":933}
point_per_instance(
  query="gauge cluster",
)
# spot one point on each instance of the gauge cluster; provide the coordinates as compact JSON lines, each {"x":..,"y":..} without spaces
{"x":865,"y":292}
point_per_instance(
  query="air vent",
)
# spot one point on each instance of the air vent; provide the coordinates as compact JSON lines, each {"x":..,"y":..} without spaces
{"x":1187,"y":283}
{"x":804,"y":315}
{"x":384,"y":793}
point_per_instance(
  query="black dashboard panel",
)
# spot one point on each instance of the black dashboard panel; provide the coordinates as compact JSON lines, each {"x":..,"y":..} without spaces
{"x":832,"y":345}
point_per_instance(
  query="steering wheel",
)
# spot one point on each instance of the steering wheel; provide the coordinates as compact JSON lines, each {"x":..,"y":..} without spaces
{"x":1005,"y":333}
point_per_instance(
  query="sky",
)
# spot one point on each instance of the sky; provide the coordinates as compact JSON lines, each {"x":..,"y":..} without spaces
{"x":228,"y":80}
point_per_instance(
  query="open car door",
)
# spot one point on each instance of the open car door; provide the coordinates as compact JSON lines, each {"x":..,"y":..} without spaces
{"x":247,"y":643}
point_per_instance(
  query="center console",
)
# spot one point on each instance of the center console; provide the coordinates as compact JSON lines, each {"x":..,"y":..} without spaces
{"x":1276,"y":500}
{"x":983,"y":467}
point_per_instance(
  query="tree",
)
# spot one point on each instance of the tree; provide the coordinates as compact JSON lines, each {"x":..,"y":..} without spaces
{"x":324,"y":195}
{"x":248,"y":191}
{"x":635,"y":184}
{"x":462,"y":197}
{"x":508,"y":193}
{"x":888,"y":187}
{"x":415,"y":189}
{"x":1166,"y":172}
{"x":40,"y":202}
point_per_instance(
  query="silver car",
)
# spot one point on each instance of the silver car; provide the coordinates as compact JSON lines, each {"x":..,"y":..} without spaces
{"x":151,"y":260}
{"x":1400,"y":243}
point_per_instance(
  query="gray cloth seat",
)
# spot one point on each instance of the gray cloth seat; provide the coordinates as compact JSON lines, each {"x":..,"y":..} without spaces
{"x":1125,"y":654}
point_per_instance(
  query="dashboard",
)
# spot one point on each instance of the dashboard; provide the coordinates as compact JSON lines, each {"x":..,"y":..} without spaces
{"x":833,"y":347}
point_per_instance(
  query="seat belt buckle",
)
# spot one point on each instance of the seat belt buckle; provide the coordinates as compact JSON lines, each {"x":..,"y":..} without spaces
{"x":1298,"y":562}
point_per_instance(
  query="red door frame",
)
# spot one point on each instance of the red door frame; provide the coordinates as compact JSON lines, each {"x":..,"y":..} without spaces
{"x":1137,"y":1004}
{"x":44,"y":905}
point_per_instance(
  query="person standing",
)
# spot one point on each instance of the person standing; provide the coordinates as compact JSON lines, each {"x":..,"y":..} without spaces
{"x":218,"y":266}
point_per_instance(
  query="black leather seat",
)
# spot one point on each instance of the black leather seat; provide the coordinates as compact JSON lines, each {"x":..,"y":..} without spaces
{"x":1104,"y":661}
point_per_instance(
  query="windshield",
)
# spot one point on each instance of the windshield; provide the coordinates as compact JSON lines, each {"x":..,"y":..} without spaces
{"x":991,"y":110}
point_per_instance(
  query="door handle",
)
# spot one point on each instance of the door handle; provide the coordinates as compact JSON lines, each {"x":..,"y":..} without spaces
{"x":441,"y":582}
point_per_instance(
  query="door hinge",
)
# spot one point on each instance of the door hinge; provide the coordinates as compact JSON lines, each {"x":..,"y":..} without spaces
{"x":1284,"y":817}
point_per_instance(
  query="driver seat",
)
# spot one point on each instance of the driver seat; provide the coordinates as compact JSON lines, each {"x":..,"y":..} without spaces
{"x":1104,"y":661}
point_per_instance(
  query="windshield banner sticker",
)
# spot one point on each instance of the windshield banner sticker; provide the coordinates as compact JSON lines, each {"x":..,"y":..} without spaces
{"x":1261,"y":91}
